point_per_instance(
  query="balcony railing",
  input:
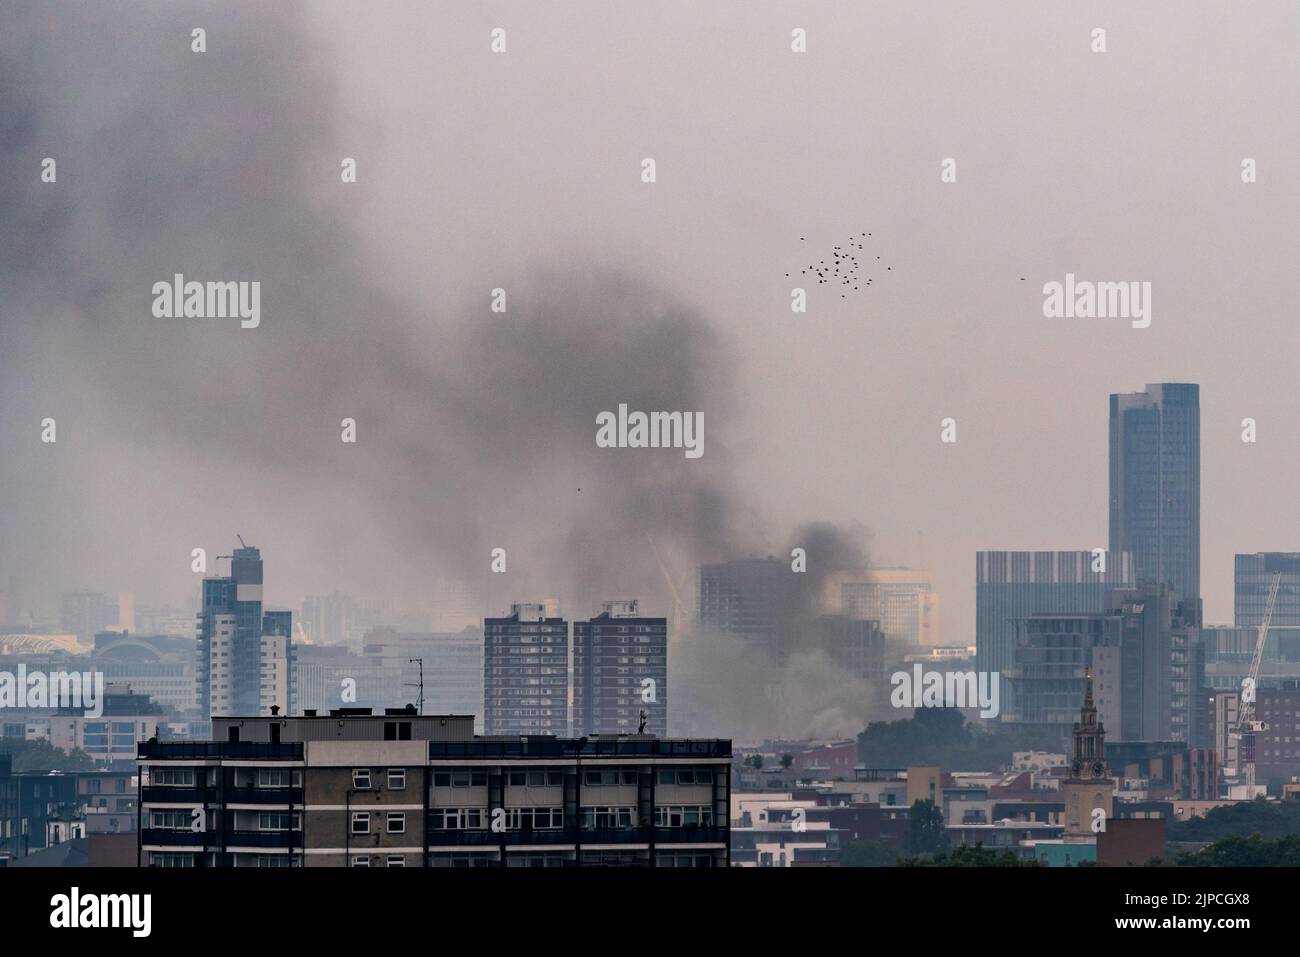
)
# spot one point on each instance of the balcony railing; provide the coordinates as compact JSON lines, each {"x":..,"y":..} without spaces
{"x":173,"y":838}
{"x":264,"y":796}
{"x":547,"y":747}
{"x":168,"y":795}
{"x":569,"y":835}
{"x":264,"y":839}
{"x":690,"y":835}
{"x":209,"y":750}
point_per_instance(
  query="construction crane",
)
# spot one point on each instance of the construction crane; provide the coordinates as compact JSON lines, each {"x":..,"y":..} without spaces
{"x":1247,"y":725}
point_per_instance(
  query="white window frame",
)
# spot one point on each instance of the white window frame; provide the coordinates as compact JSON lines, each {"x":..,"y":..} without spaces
{"x":399,"y":775}
{"x":400,"y":817}
{"x":359,"y":775}
{"x":362,"y":817}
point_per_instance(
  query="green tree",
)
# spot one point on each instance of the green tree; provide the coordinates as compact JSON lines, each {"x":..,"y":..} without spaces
{"x":1253,"y":851}
{"x":867,"y":854}
{"x":942,"y":737}
{"x":787,"y":760}
{"x":43,"y":756}
{"x":927,"y":833}
{"x":970,"y":855}
{"x":1265,"y":818}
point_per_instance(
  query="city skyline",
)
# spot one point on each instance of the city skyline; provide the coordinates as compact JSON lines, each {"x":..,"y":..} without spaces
{"x":941,"y":333}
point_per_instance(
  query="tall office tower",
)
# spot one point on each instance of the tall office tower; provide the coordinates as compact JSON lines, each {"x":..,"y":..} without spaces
{"x":85,"y":614}
{"x":899,"y":598}
{"x":620,"y":668}
{"x":526,"y":672}
{"x":1155,"y":483}
{"x":1017,"y":584}
{"x":244,"y":657}
{"x":1252,"y":575}
{"x":752,"y":598}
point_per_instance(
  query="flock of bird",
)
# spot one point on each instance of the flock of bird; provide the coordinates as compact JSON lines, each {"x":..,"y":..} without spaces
{"x":843,"y":269}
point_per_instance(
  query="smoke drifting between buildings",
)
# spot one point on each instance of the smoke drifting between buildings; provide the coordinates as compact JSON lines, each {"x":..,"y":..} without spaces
{"x":475,"y":429}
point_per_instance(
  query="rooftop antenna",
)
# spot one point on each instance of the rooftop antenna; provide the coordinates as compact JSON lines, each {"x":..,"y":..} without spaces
{"x":420,"y":699}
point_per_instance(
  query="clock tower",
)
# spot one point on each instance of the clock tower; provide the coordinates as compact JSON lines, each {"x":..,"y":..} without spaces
{"x":1089,"y":790}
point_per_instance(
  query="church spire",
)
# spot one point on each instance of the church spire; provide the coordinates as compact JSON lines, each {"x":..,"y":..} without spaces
{"x":1089,"y":758}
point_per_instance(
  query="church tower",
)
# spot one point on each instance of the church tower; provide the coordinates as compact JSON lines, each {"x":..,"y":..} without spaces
{"x":1089,"y":790}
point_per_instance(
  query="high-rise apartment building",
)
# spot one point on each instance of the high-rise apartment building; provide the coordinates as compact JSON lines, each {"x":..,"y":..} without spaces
{"x":1011,"y":585}
{"x":620,"y":669}
{"x":1155,"y":483}
{"x":526,"y":672}
{"x":353,"y":789}
{"x":244,"y":657}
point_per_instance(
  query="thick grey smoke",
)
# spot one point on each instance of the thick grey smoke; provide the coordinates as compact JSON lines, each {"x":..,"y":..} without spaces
{"x":475,"y":429}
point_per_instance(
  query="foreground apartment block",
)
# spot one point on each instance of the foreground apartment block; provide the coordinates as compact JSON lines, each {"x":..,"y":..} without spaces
{"x":352,"y":789}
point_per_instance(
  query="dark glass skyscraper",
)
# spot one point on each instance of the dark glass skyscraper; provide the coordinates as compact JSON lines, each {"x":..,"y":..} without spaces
{"x":1155,"y":483}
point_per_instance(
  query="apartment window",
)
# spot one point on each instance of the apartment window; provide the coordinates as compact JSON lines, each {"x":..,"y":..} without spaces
{"x":360,"y":822}
{"x":397,"y":779}
{"x":171,"y":820}
{"x":397,"y":731}
{"x":460,"y":778}
{"x":274,"y":777}
{"x":600,"y":818}
{"x":534,"y":818}
{"x":172,"y":777}
{"x":278,"y":821}
{"x":172,"y":860}
{"x":396,"y":822}
{"x":361,"y":860}
{"x":361,"y":779}
{"x":456,"y":818}
{"x":396,"y":860}
{"x":690,"y":815}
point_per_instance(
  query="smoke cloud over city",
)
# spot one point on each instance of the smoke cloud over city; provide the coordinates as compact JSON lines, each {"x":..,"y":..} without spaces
{"x":475,"y":430}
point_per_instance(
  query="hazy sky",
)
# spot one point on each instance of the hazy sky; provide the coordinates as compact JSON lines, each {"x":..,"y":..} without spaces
{"x":522,"y":171}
